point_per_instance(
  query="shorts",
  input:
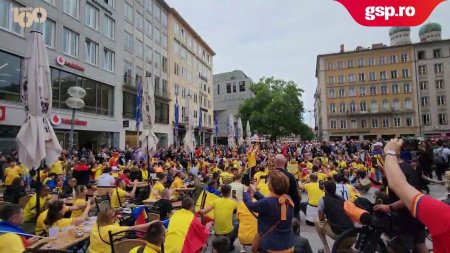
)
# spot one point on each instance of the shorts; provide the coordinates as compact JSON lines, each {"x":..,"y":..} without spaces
{"x":326,"y":228}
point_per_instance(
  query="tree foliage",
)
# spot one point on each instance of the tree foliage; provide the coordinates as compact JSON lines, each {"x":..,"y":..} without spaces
{"x":276,"y":109}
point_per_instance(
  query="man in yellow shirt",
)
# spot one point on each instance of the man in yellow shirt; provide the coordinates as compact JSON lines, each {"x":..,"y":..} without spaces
{"x":154,"y":237}
{"x":226,"y":177}
{"x":223,"y":215}
{"x":177,"y":184}
{"x":30,"y":208}
{"x":119,"y":194}
{"x":11,"y":172}
{"x":57,"y":167}
{"x":158,"y":188}
{"x":314,"y":193}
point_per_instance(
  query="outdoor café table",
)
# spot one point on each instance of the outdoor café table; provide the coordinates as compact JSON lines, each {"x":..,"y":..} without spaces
{"x":65,"y":239}
{"x":185,"y":191}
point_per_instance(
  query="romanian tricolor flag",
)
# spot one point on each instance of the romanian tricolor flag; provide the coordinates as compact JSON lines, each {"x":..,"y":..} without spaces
{"x":185,"y":233}
{"x":140,"y":215}
{"x":205,"y":201}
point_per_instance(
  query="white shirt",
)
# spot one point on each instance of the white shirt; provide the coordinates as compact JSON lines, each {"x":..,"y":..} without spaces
{"x":106,"y":179}
{"x":239,"y":188}
{"x":342,"y":191}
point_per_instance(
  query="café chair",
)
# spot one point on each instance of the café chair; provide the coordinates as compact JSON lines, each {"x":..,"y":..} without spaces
{"x":127,"y":245}
{"x":153,"y":216}
{"x":117,"y":244}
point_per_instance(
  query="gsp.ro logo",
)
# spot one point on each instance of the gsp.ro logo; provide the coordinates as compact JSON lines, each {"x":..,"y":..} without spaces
{"x":26,"y":16}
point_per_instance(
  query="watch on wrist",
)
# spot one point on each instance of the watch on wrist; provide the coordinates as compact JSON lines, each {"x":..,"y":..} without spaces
{"x":391,"y":152}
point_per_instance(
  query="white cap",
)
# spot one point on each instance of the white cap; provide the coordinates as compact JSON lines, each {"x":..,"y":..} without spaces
{"x":114,"y":168}
{"x":378,"y":144}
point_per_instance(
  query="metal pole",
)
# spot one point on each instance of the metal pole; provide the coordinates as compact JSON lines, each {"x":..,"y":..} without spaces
{"x":70,"y":144}
{"x":38,"y":191}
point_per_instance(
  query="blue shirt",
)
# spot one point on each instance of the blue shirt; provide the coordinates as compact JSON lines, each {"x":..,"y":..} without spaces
{"x":269,"y":213}
{"x":213,"y":190}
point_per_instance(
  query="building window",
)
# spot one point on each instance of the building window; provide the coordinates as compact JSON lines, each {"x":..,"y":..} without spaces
{"x":351,"y":78}
{"x":127,"y":73}
{"x":148,"y":28}
{"x":382,"y":60}
{"x":395,"y":89}
{"x":164,"y":18}
{"x":108,"y":59}
{"x":363,"y":123}
{"x":406,"y":88}
{"x":371,"y":61}
{"x":341,"y":78}
{"x":352,"y":92}
{"x":384,"y":90}
{"x":148,"y":5}
{"x":242,"y":86}
{"x":139,"y":21}
{"x":385,"y":105}
{"x":442,"y":118}
{"x":385,"y":122}
{"x":409,"y":121}
{"x":408,"y":103}
{"x":342,"y":108}
{"x":340,"y":65}
{"x":404,"y":58}
{"x":383,"y":75}
{"x":234,"y":87}
{"x":91,"y":16}
{"x":423,"y":70}
{"x":437,"y":53}
{"x":109,"y":26}
{"x":70,"y":42}
{"x":372,"y":76}
{"x":362,"y":91}
{"x":374,"y":106}
{"x":52,"y":2}
{"x":439,"y":68}
{"x":228,"y":87}
{"x":71,"y":7}
{"x":405,"y":73}
{"x":139,"y":48}
{"x":48,"y":30}
{"x":440,"y":100}
{"x":343,"y":124}
{"x":426,"y":119}
{"x":361,"y":77}
{"x":330,"y":66}
{"x":156,"y":11}
{"x":91,"y":52}
{"x":373,"y":90}
{"x":139,"y":75}
{"x":424,"y":101}
{"x":374,"y":123}
{"x":164,"y":45}
{"x":396,"y":105}
{"x":341,"y":92}
{"x":440,"y":84}
{"x":164,"y":64}
{"x":394,"y":74}
{"x":333,"y":124}
{"x":148,"y":55}
{"x":330,"y":93}
{"x":393,"y":59}
{"x":10,"y":77}
{"x":218,"y":89}
{"x":363,"y":106}
{"x":352,"y":106}
{"x":330,"y":79}
{"x":128,"y":12}
{"x":128,"y":42}
{"x":421,"y":55}
{"x":129,"y":105}
{"x":332,"y":108}
{"x":353,"y":124}
{"x":423,"y":85}
{"x":361,"y":62}
{"x":397,"y":122}
{"x":157,"y":36}
{"x":350,"y":63}
{"x":157,"y":59}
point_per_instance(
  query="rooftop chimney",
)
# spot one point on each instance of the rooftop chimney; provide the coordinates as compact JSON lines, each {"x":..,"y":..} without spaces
{"x":342,"y":48}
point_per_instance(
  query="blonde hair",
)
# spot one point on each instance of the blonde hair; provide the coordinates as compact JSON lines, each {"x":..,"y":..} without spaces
{"x":104,"y":217}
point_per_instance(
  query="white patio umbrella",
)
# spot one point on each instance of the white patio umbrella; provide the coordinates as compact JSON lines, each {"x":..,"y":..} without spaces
{"x":249,"y":134}
{"x":231,"y":131}
{"x":189,"y":140}
{"x":148,"y":138}
{"x":240,"y":132}
{"x":36,"y":139}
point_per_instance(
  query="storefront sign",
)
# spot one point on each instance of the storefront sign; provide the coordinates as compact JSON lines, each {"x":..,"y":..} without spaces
{"x":2,"y":113}
{"x":230,"y":98}
{"x":57,"y":120}
{"x":61,"y":61}
{"x":441,"y":128}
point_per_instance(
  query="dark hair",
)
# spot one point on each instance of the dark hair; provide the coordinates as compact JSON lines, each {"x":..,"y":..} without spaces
{"x":155,"y":232}
{"x":237,"y":177}
{"x":54,"y":214}
{"x":106,"y":170}
{"x":16,"y":182}
{"x":330,"y":187}
{"x":221,"y":244}
{"x":9,"y":211}
{"x":125,"y":171}
{"x":279,"y":182}
{"x":296,"y":226}
{"x":187,"y":203}
{"x":161,"y":176}
{"x":52,"y":174}
{"x":225,"y":190}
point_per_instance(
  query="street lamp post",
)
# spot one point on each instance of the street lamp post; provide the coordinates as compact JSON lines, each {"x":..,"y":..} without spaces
{"x":75,"y":101}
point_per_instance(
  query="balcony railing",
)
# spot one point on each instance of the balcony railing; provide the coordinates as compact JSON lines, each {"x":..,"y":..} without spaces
{"x":162,"y":93}
{"x":128,"y":80}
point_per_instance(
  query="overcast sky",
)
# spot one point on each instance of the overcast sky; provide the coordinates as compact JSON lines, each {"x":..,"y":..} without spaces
{"x":282,"y":38}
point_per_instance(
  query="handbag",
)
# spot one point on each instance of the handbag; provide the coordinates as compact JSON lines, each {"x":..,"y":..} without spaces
{"x":257,"y":239}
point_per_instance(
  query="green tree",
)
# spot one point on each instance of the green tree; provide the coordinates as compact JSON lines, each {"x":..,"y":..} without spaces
{"x":276,"y":109}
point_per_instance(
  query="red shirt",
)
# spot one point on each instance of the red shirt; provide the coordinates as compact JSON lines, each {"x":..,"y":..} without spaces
{"x":124,"y":178}
{"x":81,"y":167}
{"x":435,"y":215}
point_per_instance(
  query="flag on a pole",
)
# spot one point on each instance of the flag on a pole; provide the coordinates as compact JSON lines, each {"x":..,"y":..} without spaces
{"x":216,"y":126}
{"x":138,"y":104}
{"x":177,"y":115}
{"x":200,"y":118}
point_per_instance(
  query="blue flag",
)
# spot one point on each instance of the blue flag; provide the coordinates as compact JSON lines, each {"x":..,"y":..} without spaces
{"x":138,"y":104}
{"x":177,"y":112}
{"x":216,"y":126}
{"x":200,"y":117}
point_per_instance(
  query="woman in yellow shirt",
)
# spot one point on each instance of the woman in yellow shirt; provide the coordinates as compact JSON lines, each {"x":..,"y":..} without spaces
{"x":30,"y":208}
{"x":11,"y":172}
{"x":106,"y":221}
{"x":158,"y":188}
{"x":119,"y":194}
{"x":55,"y":216}
{"x":177,"y":184}
{"x":79,"y":204}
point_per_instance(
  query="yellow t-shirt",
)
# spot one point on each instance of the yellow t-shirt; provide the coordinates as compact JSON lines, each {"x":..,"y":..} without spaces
{"x":252,"y":159}
{"x":332,"y":173}
{"x":11,"y":243}
{"x":248,"y":224}
{"x":214,"y":170}
{"x":30,"y":209}
{"x":79,"y":212}
{"x":149,"y":248}
{"x":115,"y":199}
{"x":176,"y":184}
{"x":322,"y":176}
{"x":223,"y":215}
{"x":57,"y":168}
{"x":144,"y":174}
{"x":258,"y":175}
{"x":226,"y":178}
{"x":98,"y":171}
{"x":97,"y":245}
{"x":11,"y":174}
{"x":40,"y":225}
{"x":314,"y":193}
{"x":158,"y":188}
{"x":309,"y":165}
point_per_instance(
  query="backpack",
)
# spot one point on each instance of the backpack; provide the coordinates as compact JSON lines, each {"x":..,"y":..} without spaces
{"x":439,"y":158}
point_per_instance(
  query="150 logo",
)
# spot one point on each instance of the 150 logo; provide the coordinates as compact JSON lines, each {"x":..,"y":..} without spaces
{"x":390,"y":12}
{"x":26,"y":16}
